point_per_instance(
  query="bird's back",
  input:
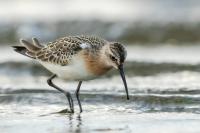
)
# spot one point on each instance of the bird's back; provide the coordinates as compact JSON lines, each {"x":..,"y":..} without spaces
{"x":60,"y":51}
{"x":64,"y":56}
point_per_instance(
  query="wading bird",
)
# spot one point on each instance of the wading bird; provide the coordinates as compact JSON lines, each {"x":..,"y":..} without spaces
{"x":77,"y":58}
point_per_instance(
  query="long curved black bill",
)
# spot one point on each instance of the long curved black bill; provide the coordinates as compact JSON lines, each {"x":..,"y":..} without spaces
{"x":121,"y":71}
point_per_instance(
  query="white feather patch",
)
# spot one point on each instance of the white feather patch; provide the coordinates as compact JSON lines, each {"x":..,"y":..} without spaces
{"x":76,"y":70}
{"x":84,"y":45}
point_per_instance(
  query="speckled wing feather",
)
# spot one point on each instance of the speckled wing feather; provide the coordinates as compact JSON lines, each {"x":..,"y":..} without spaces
{"x":60,"y":51}
{"x":94,"y":41}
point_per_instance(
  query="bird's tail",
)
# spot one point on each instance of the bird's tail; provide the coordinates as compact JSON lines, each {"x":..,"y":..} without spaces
{"x":28,"y":49}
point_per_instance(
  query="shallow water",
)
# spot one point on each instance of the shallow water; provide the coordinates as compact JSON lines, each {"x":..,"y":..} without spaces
{"x":163,"y":84}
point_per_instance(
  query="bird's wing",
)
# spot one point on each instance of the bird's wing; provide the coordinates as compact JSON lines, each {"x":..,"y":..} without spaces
{"x":60,"y":51}
{"x":95,"y":42}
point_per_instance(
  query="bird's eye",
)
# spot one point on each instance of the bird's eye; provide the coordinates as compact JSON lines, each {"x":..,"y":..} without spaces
{"x":113,"y":58}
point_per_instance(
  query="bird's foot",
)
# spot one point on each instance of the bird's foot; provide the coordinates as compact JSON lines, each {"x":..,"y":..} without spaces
{"x":64,"y":111}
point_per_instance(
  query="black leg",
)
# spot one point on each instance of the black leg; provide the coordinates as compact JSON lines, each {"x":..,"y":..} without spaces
{"x":67,"y":94}
{"x":77,"y":95}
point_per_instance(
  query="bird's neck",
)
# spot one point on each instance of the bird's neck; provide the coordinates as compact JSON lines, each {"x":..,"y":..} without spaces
{"x":97,"y":64}
{"x":103,"y":56}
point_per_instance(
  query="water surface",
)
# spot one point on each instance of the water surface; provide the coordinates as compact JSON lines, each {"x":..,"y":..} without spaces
{"x":163,"y":84}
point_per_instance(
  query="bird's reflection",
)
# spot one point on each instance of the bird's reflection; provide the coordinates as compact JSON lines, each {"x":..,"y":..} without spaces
{"x":75,"y":122}
{"x":70,"y":118}
{"x":79,"y":121}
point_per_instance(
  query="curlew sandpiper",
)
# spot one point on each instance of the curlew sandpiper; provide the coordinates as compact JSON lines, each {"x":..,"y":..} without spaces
{"x":77,"y":58}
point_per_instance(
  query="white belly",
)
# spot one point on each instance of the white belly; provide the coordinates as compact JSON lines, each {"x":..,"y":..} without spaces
{"x":76,"y":70}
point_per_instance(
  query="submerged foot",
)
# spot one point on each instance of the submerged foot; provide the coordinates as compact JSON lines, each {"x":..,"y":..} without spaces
{"x":64,"y":111}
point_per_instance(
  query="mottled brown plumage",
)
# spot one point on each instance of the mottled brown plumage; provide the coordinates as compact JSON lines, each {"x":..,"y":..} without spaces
{"x":76,"y":58}
{"x":62,"y":50}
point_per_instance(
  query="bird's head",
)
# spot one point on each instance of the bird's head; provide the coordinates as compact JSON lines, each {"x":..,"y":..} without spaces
{"x":115,"y":56}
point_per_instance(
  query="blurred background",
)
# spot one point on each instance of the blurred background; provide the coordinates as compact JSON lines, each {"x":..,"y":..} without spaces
{"x":130,"y":21}
{"x":162,"y":68}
